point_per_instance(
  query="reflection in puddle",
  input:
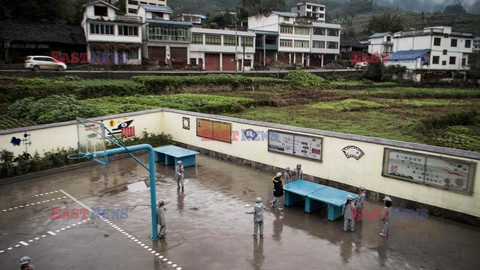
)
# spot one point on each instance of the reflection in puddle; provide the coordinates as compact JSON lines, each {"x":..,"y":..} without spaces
{"x":138,"y":186}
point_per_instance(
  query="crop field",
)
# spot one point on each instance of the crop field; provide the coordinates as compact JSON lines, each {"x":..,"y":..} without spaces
{"x":447,"y":117}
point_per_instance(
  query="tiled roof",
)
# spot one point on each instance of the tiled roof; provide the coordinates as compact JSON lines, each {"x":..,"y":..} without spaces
{"x":407,"y":55}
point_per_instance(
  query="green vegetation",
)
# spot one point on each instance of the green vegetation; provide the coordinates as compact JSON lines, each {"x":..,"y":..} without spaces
{"x":189,"y":102}
{"x":349,"y":105}
{"x":52,"y":109}
{"x":14,"y":166}
{"x":304,"y":79}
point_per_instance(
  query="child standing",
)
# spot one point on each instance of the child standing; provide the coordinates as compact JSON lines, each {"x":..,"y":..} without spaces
{"x":385,"y":216}
{"x":360,"y":202}
{"x":298,"y":173}
{"x":277,"y":192}
{"x":179,"y":174}
{"x":288,"y":175}
{"x":161,"y":210}
{"x":25,"y":264}
{"x":347,"y":211}
{"x":257,"y":212}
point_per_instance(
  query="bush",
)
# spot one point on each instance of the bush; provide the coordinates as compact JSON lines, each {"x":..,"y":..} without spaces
{"x":375,"y":71}
{"x":304,"y":79}
{"x":52,"y":109}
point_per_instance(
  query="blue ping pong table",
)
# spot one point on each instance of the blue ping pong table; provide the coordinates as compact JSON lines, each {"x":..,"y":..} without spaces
{"x":316,"y":196}
{"x":332,"y":197}
{"x":171,"y":154}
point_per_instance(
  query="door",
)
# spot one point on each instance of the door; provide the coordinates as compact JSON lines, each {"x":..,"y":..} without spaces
{"x":179,"y":57}
{"x":156,"y":53}
{"x":212,"y":62}
{"x":228,"y":62}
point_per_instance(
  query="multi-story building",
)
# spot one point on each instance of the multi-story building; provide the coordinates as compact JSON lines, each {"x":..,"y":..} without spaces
{"x":165,"y":41}
{"x":295,"y":38}
{"x":131,"y":7}
{"x":380,"y":43}
{"x":310,"y":10}
{"x":433,"y":48}
{"x":222,"y":50}
{"x":111,"y":38}
{"x":195,"y":19}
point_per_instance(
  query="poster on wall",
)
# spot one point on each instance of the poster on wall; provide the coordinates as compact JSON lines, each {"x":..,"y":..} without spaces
{"x":306,"y":146}
{"x":295,"y":144}
{"x":222,"y":131}
{"x":205,"y":128}
{"x":280,"y":142}
{"x":451,"y":174}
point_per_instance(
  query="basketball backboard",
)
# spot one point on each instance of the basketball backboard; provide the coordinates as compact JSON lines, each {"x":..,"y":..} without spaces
{"x":91,"y":140}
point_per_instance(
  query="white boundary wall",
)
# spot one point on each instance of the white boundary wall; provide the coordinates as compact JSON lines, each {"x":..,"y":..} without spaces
{"x":366,"y":171}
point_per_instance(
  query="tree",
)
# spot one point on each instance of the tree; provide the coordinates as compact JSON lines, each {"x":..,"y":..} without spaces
{"x":384,"y":23}
{"x":262,"y":7}
{"x":475,"y":8}
{"x":38,"y":11}
{"x":454,"y":9}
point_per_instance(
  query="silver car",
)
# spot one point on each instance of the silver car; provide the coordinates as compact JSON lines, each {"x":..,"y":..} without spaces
{"x":43,"y":62}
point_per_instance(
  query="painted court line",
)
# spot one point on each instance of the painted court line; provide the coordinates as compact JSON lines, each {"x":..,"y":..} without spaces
{"x":170,"y":263}
{"x":45,"y":193}
{"x":30,"y":204}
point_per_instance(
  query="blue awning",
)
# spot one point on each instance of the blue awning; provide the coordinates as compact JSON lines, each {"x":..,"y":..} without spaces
{"x":407,"y":55}
{"x":164,"y":9}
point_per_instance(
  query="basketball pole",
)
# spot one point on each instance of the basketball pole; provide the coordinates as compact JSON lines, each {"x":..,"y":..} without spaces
{"x":151,"y":169}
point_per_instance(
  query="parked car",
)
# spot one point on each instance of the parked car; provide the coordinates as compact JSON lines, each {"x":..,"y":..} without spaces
{"x":361,"y":65}
{"x":43,"y":62}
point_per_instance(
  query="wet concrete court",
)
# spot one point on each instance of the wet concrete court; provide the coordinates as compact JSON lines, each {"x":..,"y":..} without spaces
{"x":207,"y":227}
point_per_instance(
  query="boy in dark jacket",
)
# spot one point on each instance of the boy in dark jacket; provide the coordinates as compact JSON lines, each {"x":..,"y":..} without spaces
{"x":277,"y":192}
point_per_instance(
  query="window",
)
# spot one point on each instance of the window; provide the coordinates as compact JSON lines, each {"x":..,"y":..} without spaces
{"x":101,"y":29}
{"x":318,"y":44}
{"x":437,"y":41}
{"x":436,"y":60}
{"x":271,"y":40}
{"x":100,"y":11}
{"x":197,"y":38}
{"x":287,"y":19}
{"x":319,"y":31}
{"x":332,"y":33}
{"x":193,"y":61}
{"x":332,"y":45}
{"x":133,"y":54}
{"x":168,"y":33}
{"x":302,"y":44}
{"x":309,"y":7}
{"x":389,"y":38}
{"x":452,"y":60}
{"x":286,"y":29}
{"x":302,"y":31}
{"x":125,"y":30}
{"x":213,"y":40}
{"x":228,"y":40}
{"x":285,"y":43}
{"x":444,"y":63}
{"x":445,"y":52}
{"x":464,"y":61}
{"x":132,"y":2}
{"x":247,"y":42}
{"x":132,"y":10}
{"x":453,"y":42}
{"x":468,"y":43}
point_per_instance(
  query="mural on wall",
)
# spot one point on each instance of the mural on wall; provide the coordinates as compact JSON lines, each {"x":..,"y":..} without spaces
{"x":123,"y":128}
{"x":353,"y":151}
{"x":186,"y":123}
{"x":26,"y":141}
{"x":451,"y":174}
{"x":295,"y":144}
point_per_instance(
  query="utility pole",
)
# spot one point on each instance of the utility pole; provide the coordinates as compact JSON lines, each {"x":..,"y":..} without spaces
{"x":236,"y":43}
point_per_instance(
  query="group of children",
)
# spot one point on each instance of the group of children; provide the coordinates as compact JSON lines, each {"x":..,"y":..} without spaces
{"x":353,"y":211}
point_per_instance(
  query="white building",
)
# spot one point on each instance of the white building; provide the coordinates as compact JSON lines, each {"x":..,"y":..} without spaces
{"x":380,"y":43}
{"x":165,"y":42}
{"x":296,"y":37}
{"x":111,"y":38}
{"x":476,"y":45}
{"x":311,"y":10}
{"x":133,"y":5}
{"x":433,"y":48}
{"x":195,"y":19}
{"x":222,"y":50}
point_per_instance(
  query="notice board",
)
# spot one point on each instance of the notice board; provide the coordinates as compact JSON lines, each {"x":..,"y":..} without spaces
{"x":446,"y":173}
{"x":205,"y":128}
{"x":295,"y":144}
{"x":215,"y":130}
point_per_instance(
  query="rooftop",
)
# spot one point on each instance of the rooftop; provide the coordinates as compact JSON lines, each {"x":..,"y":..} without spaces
{"x":171,"y":22}
{"x":407,"y":55}
{"x":285,"y":14}
{"x":164,"y":9}
{"x":50,"y":33}
{"x":378,"y":35}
